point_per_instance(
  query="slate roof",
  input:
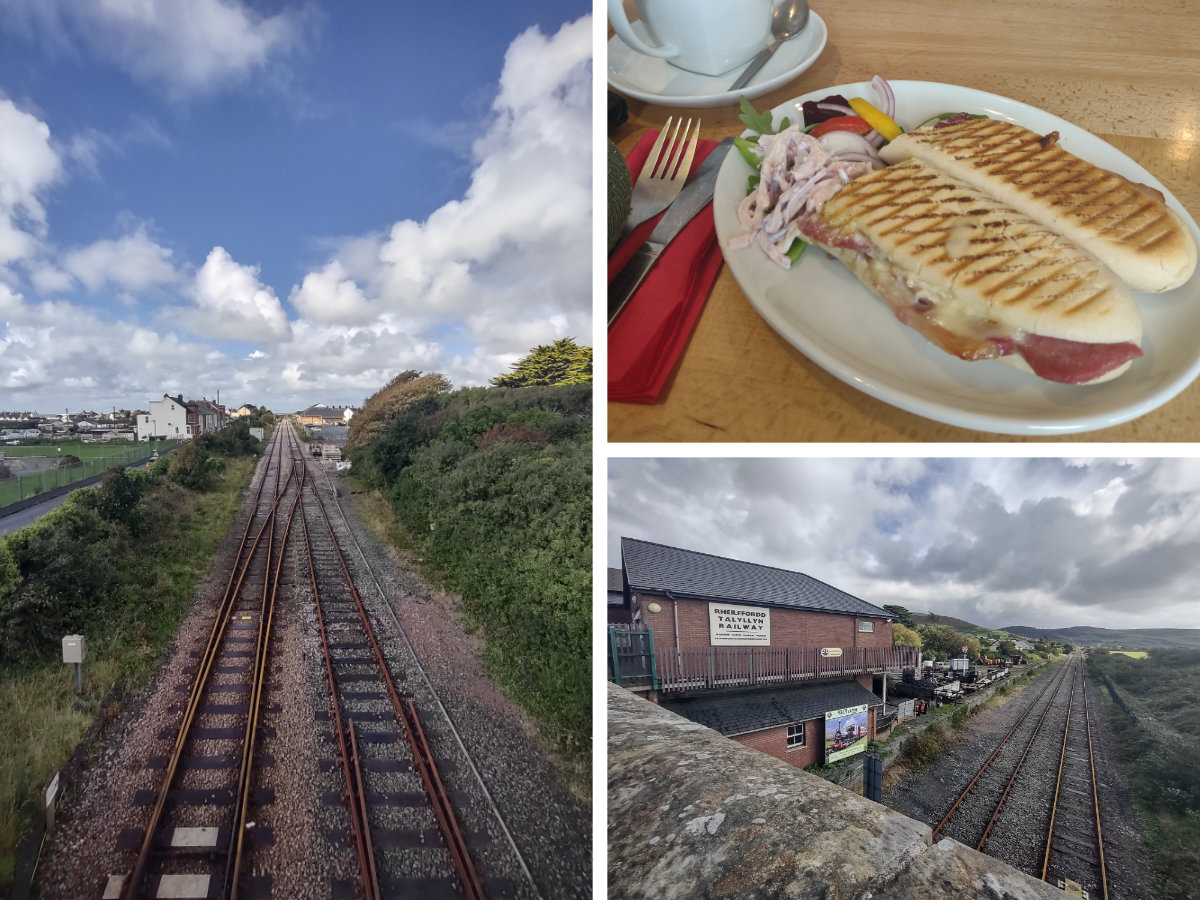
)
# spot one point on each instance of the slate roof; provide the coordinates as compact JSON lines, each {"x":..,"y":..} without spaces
{"x":655,"y":568}
{"x":616,"y":595}
{"x":741,"y":712}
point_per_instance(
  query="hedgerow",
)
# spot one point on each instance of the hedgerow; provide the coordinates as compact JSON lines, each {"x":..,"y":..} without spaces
{"x":495,"y":484}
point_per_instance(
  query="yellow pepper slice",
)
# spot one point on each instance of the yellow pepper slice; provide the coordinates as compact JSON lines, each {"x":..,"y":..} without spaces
{"x":877,"y":119}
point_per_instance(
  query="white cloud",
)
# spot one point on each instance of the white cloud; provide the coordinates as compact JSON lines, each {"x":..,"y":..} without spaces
{"x":507,"y":266}
{"x":29,"y":165}
{"x":181,"y":47}
{"x":134,"y":262}
{"x":232,"y":303}
{"x":330,"y":296}
{"x":466,"y":291}
{"x":997,"y":542}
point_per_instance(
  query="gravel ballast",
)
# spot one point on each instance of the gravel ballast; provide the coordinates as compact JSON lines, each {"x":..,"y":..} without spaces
{"x":433,"y":660}
{"x":927,"y":793}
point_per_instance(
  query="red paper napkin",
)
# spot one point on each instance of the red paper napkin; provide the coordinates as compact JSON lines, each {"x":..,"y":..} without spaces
{"x":646,"y":340}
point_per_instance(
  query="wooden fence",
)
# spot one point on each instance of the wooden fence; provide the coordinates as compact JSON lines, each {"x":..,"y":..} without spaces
{"x":724,"y":667}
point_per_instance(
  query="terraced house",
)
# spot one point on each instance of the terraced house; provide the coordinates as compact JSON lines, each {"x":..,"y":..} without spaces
{"x":775,"y":659}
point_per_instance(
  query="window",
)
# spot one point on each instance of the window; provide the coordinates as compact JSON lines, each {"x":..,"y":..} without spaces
{"x":866,"y":626}
{"x":795,"y":735}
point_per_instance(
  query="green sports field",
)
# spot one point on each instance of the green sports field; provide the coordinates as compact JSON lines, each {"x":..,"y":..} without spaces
{"x":95,"y":459}
{"x":1136,"y":654}
{"x":116,"y":449}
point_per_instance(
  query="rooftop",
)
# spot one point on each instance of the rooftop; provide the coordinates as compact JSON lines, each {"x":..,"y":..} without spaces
{"x":655,"y":568}
{"x":745,"y":711}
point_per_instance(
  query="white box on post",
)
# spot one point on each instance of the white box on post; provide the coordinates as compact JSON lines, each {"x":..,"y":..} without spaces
{"x":73,"y":648}
{"x":73,"y":653}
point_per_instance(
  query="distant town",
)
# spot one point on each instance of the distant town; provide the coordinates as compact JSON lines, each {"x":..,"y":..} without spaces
{"x":168,"y":418}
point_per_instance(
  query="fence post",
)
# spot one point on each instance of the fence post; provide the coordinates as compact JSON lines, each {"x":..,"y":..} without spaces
{"x":873,"y":777}
{"x":653,"y":660}
{"x":612,"y":656}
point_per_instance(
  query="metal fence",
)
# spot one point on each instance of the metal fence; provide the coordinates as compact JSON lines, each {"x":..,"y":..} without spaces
{"x":631,"y":655}
{"x":20,"y":487}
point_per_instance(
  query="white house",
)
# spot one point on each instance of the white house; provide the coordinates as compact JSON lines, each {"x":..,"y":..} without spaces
{"x":168,"y":418}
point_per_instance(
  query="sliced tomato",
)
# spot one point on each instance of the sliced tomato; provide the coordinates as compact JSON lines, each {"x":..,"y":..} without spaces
{"x":857,"y":124}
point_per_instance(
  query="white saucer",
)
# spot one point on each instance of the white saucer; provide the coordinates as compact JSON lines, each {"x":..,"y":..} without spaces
{"x":655,"y":80}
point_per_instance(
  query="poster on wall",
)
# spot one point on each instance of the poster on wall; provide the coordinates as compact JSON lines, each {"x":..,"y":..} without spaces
{"x":730,"y":625}
{"x":845,"y":732}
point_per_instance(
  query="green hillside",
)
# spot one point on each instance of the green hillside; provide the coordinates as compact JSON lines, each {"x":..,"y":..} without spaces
{"x":1132,"y":638}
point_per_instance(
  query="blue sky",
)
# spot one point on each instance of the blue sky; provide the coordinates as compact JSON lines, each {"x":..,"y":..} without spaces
{"x":287,"y":202}
{"x":1046,"y":543}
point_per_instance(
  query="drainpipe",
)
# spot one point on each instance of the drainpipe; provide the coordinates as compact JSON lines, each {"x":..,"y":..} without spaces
{"x":675,"y":612}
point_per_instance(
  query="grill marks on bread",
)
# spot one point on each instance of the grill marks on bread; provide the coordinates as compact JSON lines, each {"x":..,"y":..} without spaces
{"x":1077,"y":190}
{"x":1125,"y":224}
{"x":951,"y":238}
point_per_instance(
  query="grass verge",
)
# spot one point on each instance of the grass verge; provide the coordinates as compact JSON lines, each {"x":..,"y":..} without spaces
{"x":41,"y":719}
{"x":378,"y":515}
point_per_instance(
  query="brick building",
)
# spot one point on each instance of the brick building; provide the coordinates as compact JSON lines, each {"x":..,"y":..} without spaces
{"x":774,"y":659}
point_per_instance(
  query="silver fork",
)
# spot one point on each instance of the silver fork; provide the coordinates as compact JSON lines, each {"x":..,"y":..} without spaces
{"x":658,"y":185}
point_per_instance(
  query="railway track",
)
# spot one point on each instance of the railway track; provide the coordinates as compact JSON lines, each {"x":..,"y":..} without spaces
{"x":1039,"y":780}
{"x":416,"y":813}
{"x":1074,"y":854}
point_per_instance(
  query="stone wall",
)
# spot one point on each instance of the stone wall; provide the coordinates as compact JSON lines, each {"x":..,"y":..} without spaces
{"x":693,"y":814}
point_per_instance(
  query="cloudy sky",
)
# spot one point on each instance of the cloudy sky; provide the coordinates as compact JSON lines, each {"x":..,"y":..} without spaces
{"x":1041,"y":542}
{"x":287,"y":201}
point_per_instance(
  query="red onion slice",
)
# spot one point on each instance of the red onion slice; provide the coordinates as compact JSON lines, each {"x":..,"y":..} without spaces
{"x":837,"y":108}
{"x":886,"y":96}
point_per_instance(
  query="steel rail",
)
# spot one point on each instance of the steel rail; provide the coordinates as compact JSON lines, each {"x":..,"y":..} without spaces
{"x":1021,"y":762}
{"x":250,"y":739}
{"x":1058,"y":785}
{"x":987,"y":764}
{"x":1062,"y":756}
{"x":434,"y":694}
{"x":200,"y":682}
{"x":439,"y":799}
{"x":359,"y":829}
{"x":1087,"y":716}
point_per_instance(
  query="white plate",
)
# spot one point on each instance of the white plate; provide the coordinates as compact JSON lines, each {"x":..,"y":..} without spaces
{"x":824,"y":311}
{"x":655,"y":80}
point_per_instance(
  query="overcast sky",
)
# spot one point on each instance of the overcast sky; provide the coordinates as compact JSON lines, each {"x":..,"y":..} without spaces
{"x":1041,"y":542}
{"x":287,"y":201}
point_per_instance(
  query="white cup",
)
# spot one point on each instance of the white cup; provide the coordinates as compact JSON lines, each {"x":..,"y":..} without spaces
{"x":710,"y":37}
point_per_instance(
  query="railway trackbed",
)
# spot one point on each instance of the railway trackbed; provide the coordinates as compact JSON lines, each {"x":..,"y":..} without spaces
{"x":1034,"y":800}
{"x":307,"y":751}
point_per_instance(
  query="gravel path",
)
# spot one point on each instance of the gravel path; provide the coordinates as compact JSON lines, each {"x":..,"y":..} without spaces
{"x":306,"y":858}
{"x":926,"y":794}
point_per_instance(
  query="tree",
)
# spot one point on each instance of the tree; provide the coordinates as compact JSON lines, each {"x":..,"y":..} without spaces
{"x":1007,"y":648}
{"x":903,"y":636}
{"x":903,"y":616}
{"x":563,"y":362}
{"x":941,"y":641}
{"x":403,"y":391}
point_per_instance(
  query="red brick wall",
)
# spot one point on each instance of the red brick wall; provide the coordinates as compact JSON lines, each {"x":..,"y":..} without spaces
{"x":789,"y":627}
{"x":773,"y":741}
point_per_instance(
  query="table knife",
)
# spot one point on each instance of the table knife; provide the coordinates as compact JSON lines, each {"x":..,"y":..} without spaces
{"x":696,"y":195}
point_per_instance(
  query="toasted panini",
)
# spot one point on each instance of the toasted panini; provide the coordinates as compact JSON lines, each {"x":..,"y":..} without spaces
{"x":1126,"y":225}
{"x":980,"y":279}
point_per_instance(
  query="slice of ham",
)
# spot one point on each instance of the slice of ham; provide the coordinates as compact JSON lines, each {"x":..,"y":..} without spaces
{"x":1072,"y":362}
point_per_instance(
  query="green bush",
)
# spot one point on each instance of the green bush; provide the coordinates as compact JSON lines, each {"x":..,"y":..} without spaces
{"x":496,"y":486}
{"x":925,"y":746}
{"x":958,"y":716}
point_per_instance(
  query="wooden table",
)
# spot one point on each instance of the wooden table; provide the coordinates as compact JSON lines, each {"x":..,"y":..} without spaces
{"x":1127,"y":72}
